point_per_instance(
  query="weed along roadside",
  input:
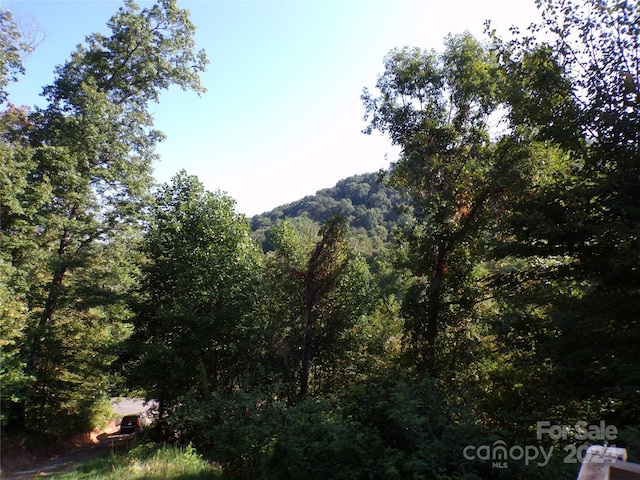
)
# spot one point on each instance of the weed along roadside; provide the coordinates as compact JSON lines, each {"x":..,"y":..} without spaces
{"x":67,"y":461}
{"x":154,"y":460}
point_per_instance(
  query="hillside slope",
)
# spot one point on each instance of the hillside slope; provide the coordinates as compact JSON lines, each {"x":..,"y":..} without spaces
{"x":370,"y":207}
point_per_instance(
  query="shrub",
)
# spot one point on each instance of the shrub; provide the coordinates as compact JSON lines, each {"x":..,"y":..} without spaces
{"x":384,"y":428}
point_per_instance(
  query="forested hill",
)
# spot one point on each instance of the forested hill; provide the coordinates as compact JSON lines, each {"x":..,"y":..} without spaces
{"x":369,"y":206}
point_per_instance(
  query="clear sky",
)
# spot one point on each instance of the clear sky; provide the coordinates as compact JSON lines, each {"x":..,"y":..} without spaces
{"x":282,"y":116}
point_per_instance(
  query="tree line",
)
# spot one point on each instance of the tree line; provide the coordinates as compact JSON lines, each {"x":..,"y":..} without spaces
{"x":486,"y":281}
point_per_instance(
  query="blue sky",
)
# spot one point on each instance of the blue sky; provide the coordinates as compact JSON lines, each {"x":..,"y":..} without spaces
{"x":282,"y":116}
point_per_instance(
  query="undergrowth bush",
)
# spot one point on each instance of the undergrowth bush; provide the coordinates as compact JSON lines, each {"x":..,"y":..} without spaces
{"x":235,"y":429}
{"x":386,"y":427}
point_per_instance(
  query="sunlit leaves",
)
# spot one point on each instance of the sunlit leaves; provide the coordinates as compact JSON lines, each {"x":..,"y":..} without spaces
{"x":194,"y":330}
{"x":571,"y":240}
{"x":14,"y":46}
{"x":437,"y":107}
{"x":75,"y":179}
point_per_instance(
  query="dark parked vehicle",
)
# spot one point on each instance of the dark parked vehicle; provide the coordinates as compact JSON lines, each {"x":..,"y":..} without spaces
{"x":129,"y":424}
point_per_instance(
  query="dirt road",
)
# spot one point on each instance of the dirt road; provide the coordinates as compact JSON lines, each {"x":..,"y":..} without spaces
{"x":71,"y":460}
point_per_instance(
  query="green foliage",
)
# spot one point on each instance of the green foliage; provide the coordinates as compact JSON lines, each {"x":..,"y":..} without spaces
{"x":489,"y":282}
{"x":75,"y":178}
{"x":236,"y":428}
{"x":320,"y":276}
{"x":437,"y":108}
{"x":386,"y":427}
{"x":13,"y":47}
{"x":369,"y":206}
{"x":377,"y":211}
{"x":566,"y":271}
{"x":13,"y":313}
{"x":194,"y":329}
{"x":342,"y":323}
{"x":317,"y":294}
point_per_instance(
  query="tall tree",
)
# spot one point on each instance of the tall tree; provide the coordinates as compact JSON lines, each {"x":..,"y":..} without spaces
{"x":90,"y":162}
{"x":283,"y":307}
{"x":574,"y":83}
{"x":326,"y":264}
{"x":98,"y":118}
{"x":439,"y":109}
{"x":196,"y":327}
{"x":14,"y":160}
{"x":317,"y":292}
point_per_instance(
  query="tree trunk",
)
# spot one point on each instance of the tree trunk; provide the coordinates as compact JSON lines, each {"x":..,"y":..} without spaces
{"x":306,"y":353}
{"x":434,"y":299}
{"x":323,"y":268}
{"x":51,"y":304}
{"x":433,"y":312}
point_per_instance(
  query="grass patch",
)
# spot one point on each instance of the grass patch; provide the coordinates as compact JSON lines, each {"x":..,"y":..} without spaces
{"x":147,"y":462}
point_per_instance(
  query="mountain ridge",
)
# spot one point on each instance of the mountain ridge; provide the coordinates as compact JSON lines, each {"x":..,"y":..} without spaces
{"x":371,"y":207}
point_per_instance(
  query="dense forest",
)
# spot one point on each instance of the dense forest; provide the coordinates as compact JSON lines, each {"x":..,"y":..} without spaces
{"x":371,"y":209}
{"x":444,"y":318}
